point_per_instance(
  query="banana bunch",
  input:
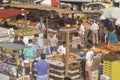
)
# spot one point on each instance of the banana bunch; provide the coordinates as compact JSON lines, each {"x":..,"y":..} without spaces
{"x":27,"y":31}
{"x":7,"y":50}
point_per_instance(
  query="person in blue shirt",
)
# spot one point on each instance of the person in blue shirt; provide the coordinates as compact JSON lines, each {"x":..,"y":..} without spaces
{"x":39,"y":42}
{"x":30,"y":53}
{"x":42,"y":68}
{"x":112,"y":37}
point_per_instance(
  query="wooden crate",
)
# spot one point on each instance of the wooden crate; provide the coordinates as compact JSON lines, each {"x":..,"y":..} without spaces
{"x":57,"y":67}
{"x":58,"y":78}
{"x":74,"y":66}
{"x":61,"y":73}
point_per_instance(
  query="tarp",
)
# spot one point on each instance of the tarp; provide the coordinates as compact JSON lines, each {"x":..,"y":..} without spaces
{"x":105,"y":5}
{"x":6,"y":13}
{"x":50,"y":2}
{"x":112,"y":12}
{"x":13,"y":46}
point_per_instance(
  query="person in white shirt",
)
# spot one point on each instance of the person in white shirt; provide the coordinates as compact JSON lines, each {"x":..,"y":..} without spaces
{"x":94,"y":28}
{"x":81,"y":31}
{"x":62,"y":48}
{"x":40,"y":25}
{"x":89,"y":62}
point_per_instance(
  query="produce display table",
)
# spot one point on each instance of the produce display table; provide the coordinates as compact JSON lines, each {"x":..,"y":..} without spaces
{"x":57,"y":66}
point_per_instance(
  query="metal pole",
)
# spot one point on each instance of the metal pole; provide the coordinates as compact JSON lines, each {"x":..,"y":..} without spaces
{"x":67,"y":51}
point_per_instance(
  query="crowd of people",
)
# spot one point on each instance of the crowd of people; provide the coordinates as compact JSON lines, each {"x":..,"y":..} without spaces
{"x":99,"y":31}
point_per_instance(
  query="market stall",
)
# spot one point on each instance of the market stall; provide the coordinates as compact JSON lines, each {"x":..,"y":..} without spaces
{"x":109,"y":55}
{"x":58,"y":64}
{"x":9,"y":65}
{"x":64,"y":65}
{"x":111,"y":63}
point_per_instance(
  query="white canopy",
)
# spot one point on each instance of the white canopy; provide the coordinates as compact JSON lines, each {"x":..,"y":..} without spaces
{"x":112,"y":12}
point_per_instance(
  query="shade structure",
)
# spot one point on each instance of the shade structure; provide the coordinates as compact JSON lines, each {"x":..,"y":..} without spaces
{"x":6,"y":13}
{"x":43,"y":7}
{"x":112,"y":12}
{"x":50,"y":2}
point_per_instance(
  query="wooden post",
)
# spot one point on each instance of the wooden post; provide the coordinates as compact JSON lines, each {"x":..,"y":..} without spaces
{"x":17,"y":63}
{"x":47,"y":27}
{"x":67,"y":51}
{"x":25,"y":19}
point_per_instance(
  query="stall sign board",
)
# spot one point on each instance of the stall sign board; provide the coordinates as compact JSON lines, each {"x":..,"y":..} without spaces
{"x":4,"y":35}
{"x":26,"y":77}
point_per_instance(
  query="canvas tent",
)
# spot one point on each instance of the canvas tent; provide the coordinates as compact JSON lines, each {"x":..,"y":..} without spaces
{"x":6,"y":13}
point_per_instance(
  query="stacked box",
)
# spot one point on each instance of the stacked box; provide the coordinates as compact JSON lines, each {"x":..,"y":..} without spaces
{"x":106,"y":68}
{"x":112,"y":69}
{"x":58,"y":72}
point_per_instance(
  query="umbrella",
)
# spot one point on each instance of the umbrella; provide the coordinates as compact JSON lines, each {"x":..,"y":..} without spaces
{"x":50,"y":2}
{"x":113,"y":12}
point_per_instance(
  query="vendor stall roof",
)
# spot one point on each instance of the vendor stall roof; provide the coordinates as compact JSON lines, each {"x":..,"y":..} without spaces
{"x":42,"y":7}
{"x":5,"y":13}
{"x":12,"y":46}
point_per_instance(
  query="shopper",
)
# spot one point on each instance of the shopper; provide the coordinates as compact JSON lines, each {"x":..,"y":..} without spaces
{"x":21,"y":41}
{"x":62,"y":48}
{"x":30,"y":53}
{"x":53,"y":42}
{"x":40,"y":25}
{"x":89,"y":61}
{"x":46,"y":49}
{"x":112,"y":37}
{"x":101,"y":31}
{"x":16,"y":39}
{"x":39,"y":42}
{"x":94,"y":28}
{"x":81,"y":32}
{"x":42,"y":68}
{"x":106,"y":34}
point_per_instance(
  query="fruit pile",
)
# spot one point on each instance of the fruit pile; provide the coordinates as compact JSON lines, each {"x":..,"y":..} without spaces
{"x":103,"y":49}
{"x":27,"y":31}
{"x":62,"y":58}
{"x":111,"y":48}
